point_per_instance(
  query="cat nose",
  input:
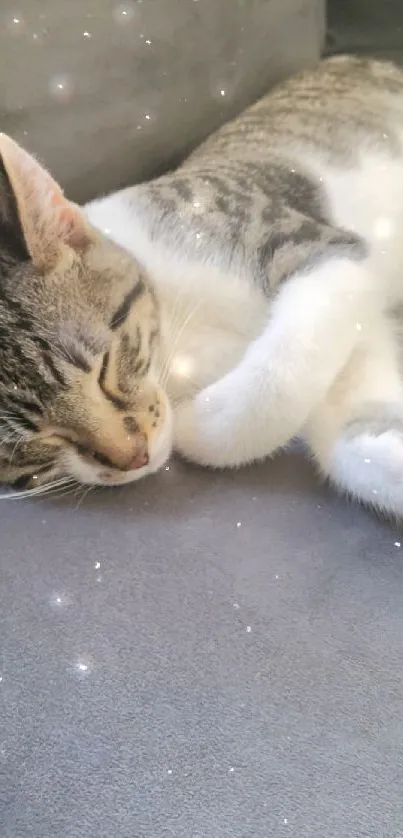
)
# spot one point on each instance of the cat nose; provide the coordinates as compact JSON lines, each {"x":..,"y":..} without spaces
{"x":139,"y":460}
{"x":134,"y":457}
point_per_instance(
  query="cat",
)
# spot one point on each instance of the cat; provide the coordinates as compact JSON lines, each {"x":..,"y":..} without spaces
{"x":251,"y":296}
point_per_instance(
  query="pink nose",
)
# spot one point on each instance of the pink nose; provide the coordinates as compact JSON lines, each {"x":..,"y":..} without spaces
{"x":139,"y":460}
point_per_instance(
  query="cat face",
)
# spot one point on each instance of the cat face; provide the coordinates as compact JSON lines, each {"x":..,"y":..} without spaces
{"x":79,"y":343}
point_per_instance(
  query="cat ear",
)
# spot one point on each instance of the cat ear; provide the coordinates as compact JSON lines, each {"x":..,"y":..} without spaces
{"x":48,"y":220}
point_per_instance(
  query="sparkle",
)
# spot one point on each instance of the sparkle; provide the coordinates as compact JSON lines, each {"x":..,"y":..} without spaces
{"x":231,"y":770}
{"x":82,"y":667}
{"x":34,"y":477}
{"x":358,"y":326}
{"x":87,"y":35}
{"x":61,"y":88}
{"x":235,"y":605}
{"x":374,"y":491}
{"x":249,"y":629}
{"x":124,"y":13}
{"x":148,"y":116}
{"x":16,"y":24}
{"x":1,"y":678}
{"x":223,"y":92}
{"x":166,"y":468}
{"x":107,"y":231}
{"x":384,"y":228}
{"x":198,"y":236}
{"x":207,"y":399}
{"x":367,"y":460}
{"x":285,"y":820}
{"x":182,"y":366}
{"x":15,"y":387}
{"x":58,"y":600}
{"x":292,"y":171}
{"x":398,"y":544}
{"x":169,"y":771}
{"x":277,"y":576}
{"x":239,"y":524}
{"x":196,"y":204}
{"x":148,"y":41}
{"x":385,"y":136}
{"x":97,"y":565}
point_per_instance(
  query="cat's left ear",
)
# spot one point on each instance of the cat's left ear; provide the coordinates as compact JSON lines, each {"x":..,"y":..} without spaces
{"x":48,"y":220}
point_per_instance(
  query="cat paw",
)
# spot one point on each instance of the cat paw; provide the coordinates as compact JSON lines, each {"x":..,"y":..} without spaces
{"x":202,"y":430}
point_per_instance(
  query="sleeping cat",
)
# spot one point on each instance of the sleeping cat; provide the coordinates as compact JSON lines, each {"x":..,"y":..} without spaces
{"x":253,"y":295}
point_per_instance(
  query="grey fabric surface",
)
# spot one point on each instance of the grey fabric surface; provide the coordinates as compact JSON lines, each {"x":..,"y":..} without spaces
{"x":108,"y":91}
{"x":241,"y":682}
{"x":167,"y":673}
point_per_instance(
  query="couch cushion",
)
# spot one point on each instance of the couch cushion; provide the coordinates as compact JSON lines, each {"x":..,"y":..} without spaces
{"x":107,"y":93}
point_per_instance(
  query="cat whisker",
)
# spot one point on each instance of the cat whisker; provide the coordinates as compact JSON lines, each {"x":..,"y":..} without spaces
{"x":167,"y":365}
{"x":47,"y":488}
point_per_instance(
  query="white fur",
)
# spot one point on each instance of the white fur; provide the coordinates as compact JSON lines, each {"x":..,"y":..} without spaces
{"x":254,"y":377}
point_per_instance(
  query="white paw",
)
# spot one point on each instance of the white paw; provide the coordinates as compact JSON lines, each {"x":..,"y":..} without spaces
{"x":202,"y":430}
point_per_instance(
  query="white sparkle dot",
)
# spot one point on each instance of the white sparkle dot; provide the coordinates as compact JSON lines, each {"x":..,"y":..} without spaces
{"x":61,"y":88}
{"x":198,"y":236}
{"x":223,"y":92}
{"x":358,"y":326}
{"x":87,"y":35}
{"x":249,"y":629}
{"x":207,"y":399}
{"x":124,"y":13}
{"x":15,"y":387}
{"x":82,"y":667}
{"x":285,"y":820}
{"x":97,"y":565}
{"x":239,"y":524}
{"x":277,"y":576}
{"x":169,"y":771}
{"x":58,"y":600}
{"x":385,"y":136}
{"x":231,"y":770}
{"x":367,"y":460}
{"x":384,"y":227}
{"x":182,"y":366}
{"x":1,"y":678}
{"x":292,"y":171}
{"x":196,"y":204}
{"x":148,"y":41}
{"x":148,"y":116}
{"x":374,"y":491}
{"x":235,"y":605}
{"x":34,"y":477}
{"x":166,"y":468}
{"x":398,"y":544}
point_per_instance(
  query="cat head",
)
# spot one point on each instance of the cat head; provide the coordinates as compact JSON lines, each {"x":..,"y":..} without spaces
{"x":79,"y":342}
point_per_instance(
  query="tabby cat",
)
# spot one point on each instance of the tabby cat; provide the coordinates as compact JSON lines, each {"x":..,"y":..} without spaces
{"x":253,"y":295}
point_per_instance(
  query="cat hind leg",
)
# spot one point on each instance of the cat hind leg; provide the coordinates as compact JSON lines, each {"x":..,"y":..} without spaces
{"x":356,"y":436}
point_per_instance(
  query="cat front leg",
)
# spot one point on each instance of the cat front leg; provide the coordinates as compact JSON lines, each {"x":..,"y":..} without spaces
{"x":317,"y":321}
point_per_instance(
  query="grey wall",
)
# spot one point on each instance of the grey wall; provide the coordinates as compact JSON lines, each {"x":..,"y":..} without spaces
{"x":78,"y":79}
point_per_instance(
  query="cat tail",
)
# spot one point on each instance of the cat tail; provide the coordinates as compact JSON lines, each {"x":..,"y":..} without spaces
{"x":317,"y":320}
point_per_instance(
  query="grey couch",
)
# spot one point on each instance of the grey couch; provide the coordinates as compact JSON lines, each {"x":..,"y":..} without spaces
{"x":200,"y":655}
